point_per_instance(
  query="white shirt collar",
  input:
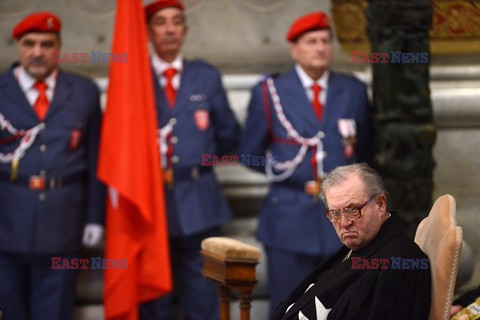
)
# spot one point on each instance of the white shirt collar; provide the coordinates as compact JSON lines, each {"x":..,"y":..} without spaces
{"x":27,"y":82}
{"x":160,"y":66}
{"x":307,"y":82}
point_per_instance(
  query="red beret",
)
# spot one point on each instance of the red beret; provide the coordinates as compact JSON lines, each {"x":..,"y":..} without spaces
{"x":39,"y":22}
{"x":155,"y":6}
{"x":309,"y":22}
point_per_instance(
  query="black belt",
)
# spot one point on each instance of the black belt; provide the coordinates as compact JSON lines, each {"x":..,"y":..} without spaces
{"x":40,"y":182}
{"x":308,"y":187}
{"x":192,"y":173}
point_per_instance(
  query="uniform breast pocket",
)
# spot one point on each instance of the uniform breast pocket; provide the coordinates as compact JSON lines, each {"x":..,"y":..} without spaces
{"x":200,"y":113}
{"x":75,"y":131}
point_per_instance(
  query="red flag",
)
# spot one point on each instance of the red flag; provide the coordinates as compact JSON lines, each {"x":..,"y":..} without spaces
{"x":136,"y":226}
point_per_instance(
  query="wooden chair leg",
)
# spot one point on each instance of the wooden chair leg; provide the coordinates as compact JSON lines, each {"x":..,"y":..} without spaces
{"x":225,"y":294}
{"x":245,"y":297}
{"x":231,"y":264}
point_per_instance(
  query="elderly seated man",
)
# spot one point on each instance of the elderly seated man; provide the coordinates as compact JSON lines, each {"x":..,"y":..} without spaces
{"x":379,"y":273}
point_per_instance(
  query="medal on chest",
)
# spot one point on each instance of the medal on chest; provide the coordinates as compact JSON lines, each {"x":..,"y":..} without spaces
{"x":348,"y":131}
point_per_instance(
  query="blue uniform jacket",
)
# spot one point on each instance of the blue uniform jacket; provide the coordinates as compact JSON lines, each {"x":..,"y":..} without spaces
{"x":197,"y":204}
{"x":290,"y":219}
{"x":51,"y":220}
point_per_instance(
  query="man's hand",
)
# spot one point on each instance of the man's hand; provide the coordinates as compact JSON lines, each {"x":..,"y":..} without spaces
{"x":92,"y":234}
{"x":455,"y":309}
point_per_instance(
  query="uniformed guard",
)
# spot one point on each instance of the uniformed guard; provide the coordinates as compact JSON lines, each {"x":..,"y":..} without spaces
{"x":307,"y":122}
{"x":50,"y":197}
{"x":194,"y":118}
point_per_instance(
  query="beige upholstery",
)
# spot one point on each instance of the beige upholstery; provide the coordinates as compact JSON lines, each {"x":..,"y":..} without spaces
{"x":441,"y":239}
{"x":228,"y":248}
{"x":231,"y":264}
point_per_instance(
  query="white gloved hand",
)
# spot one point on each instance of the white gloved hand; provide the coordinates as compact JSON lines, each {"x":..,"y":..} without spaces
{"x":92,"y":234}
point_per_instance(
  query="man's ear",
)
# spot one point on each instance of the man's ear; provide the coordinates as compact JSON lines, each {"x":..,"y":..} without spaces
{"x":381,"y":202}
{"x":293,"y":51}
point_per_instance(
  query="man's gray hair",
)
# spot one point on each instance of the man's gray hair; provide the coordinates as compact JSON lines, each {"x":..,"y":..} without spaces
{"x":372,"y":180}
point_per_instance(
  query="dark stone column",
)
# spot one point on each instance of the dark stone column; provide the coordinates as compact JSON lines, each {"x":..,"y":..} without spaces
{"x":405,"y":133}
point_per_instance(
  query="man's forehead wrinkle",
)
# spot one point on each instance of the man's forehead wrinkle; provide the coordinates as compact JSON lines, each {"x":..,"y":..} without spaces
{"x":348,"y":192}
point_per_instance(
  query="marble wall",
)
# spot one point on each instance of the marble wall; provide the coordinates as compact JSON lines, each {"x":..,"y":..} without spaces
{"x":239,"y":36}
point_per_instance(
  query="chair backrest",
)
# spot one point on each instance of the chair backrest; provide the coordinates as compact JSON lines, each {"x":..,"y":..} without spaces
{"x":441,"y":239}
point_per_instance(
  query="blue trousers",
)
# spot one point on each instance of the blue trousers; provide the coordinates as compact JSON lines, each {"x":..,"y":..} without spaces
{"x":286,"y":270}
{"x":31,"y":290}
{"x":197,"y":296}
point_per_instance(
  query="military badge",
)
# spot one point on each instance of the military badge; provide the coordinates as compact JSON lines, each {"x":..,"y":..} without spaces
{"x":75,"y":138}
{"x":348,"y":131}
{"x":202,"y":119}
{"x":50,"y":23}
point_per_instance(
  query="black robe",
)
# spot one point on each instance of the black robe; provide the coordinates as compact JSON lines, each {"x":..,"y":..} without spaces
{"x":367,"y":294}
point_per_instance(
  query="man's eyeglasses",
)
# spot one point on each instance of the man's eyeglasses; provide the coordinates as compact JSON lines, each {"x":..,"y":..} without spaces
{"x":351,"y":213}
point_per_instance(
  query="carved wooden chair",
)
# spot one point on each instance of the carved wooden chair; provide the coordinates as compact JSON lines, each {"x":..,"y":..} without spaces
{"x":441,"y":239}
{"x":231,"y":264}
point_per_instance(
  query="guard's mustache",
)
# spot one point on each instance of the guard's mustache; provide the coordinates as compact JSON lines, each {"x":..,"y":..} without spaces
{"x":170,"y":37}
{"x":38,"y":61}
